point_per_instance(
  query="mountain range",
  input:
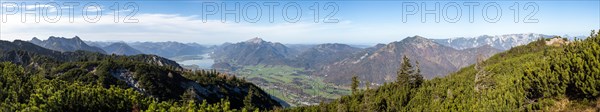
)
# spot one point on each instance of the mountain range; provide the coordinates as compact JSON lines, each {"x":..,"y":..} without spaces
{"x":65,"y":44}
{"x":380,"y":63}
{"x":164,"y":49}
{"x":336,"y":61}
{"x":332,"y":61}
{"x":503,"y":42}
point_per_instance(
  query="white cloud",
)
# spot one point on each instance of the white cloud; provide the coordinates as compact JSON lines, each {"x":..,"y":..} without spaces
{"x":93,"y":8}
{"x":173,"y":27}
{"x":42,"y":7}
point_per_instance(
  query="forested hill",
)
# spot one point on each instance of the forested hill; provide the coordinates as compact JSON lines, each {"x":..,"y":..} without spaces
{"x":30,"y":55}
{"x":33,"y":78}
{"x":548,"y":75}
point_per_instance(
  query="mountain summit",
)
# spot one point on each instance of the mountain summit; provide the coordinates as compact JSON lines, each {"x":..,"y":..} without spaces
{"x":253,"y":52}
{"x":255,"y":40}
{"x":121,"y":48}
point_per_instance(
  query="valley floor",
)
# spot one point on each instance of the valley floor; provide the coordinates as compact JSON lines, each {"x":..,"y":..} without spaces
{"x":293,"y":85}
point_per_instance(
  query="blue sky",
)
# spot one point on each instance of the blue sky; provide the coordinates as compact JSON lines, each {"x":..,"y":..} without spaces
{"x":354,"y":22}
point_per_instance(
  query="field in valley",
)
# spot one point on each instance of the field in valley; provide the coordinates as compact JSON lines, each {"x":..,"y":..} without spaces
{"x":293,"y":85}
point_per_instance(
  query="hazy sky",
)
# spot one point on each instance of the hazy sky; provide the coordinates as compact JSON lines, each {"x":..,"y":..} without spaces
{"x":355,"y":22}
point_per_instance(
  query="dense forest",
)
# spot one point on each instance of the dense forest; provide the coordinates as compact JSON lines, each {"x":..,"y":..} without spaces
{"x":37,"y":79}
{"x":547,"y":76}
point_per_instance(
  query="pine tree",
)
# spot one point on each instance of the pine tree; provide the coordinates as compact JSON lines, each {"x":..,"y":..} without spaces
{"x":406,"y":69}
{"x":248,"y":99}
{"x":416,"y":77}
{"x":367,"y":104}
{"x":354,"y":85}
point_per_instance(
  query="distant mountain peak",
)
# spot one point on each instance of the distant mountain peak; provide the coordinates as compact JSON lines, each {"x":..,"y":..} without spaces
{"x":256,"y":40}
{"x":416,"y":38}
{"x":418,"y":41}
{"x":65,"y":44}
{"x":121,"y":48}
{"x":76,"y":38}
{"x":35,"y":40}
{"x":52,"y":38}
